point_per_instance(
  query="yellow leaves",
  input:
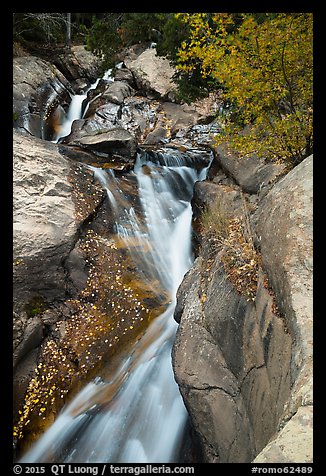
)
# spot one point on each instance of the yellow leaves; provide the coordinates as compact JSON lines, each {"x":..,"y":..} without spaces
{"x":203,"y":298}
{"x":266,"y":71}
{"x":240,"y":259}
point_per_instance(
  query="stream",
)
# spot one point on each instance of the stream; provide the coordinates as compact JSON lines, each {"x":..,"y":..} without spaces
{"x":137,"y":415}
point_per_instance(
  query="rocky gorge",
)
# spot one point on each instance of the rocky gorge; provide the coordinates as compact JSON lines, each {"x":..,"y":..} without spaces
{"x":242,"y":356}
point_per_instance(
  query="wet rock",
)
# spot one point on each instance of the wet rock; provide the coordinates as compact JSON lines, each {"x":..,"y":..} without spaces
{"x":87,"y":194}
{"x":77,"y":154}
{"x":38,"y":89}
{"x":138,"y":115}
{"x":114,"y":143}
{"x":106,"y":116}
{"x":94,"y":98}
{"x":135,"y":114}
{"x":41,"y":88}
{"x":54,"y":121}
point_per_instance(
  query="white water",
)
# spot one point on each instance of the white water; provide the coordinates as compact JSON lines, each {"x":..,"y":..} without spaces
{"x":143,"y":420}
{"x":75,"y":108}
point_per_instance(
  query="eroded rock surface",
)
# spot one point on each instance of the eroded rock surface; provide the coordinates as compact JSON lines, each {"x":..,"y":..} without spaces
{"x":52,"y":199}
{"x":226,"y":360}
{"x":285,"y":233}
{"x":245,"y":368}
{"x":38,"y":90}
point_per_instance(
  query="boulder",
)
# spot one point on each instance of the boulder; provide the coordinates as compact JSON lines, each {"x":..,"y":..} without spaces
{"x":104,"y":119}
{"x":152,"y":73}
{"x":124,"y":74}
{"x":206,"y":193}
{"x":293,"y":443}
{"x":157,"y":136}
{"x":50,"y":204}
{"x":113,"y":143}
{"x":77,"y":63}
{"x":44,"y":232}
{"x":284,"y":226}
{"x":245,"y":368}
{"x":52,"y":199}
{"x":130,"y":53}
{"x":44,"y":228}
{"x":135,"y":114}
{"x":89,"y":63}
{"x":138,"y":115}
{"x":179,"y":116}
{"x":251,"y":173}
{"x":226,"y":360}
{"x":117,"y":92}
{"x":38,"y":90}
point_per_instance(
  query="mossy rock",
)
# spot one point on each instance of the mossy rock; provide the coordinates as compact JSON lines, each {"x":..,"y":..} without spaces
{"x":36,"y":305}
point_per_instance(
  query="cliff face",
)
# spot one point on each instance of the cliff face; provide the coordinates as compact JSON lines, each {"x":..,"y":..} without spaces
{"x":244,"y":364}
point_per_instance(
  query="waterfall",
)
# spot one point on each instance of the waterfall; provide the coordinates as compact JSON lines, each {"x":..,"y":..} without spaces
{"x":75,"y":108}
{"x":143,"y":419}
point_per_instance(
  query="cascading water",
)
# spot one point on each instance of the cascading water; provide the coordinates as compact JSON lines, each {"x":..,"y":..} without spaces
{"x":138,"y":416}
{"x":75,"y":110}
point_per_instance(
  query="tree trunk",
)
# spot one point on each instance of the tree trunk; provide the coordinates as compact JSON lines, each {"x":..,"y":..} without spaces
{"x":68,"y":30}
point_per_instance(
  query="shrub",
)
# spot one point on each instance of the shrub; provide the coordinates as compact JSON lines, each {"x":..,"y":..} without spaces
{"x":215,"y":222}
{"x":233,"y":237}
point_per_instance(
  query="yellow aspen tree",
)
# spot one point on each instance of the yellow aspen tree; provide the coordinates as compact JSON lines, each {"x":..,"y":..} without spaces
{"x":265,"y":70}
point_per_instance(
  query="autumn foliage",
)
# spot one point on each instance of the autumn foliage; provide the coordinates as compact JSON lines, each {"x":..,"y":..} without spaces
{"x":265,"y":70}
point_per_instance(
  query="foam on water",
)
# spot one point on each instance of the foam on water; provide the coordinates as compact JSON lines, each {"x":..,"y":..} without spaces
{"x":144,"y":420}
